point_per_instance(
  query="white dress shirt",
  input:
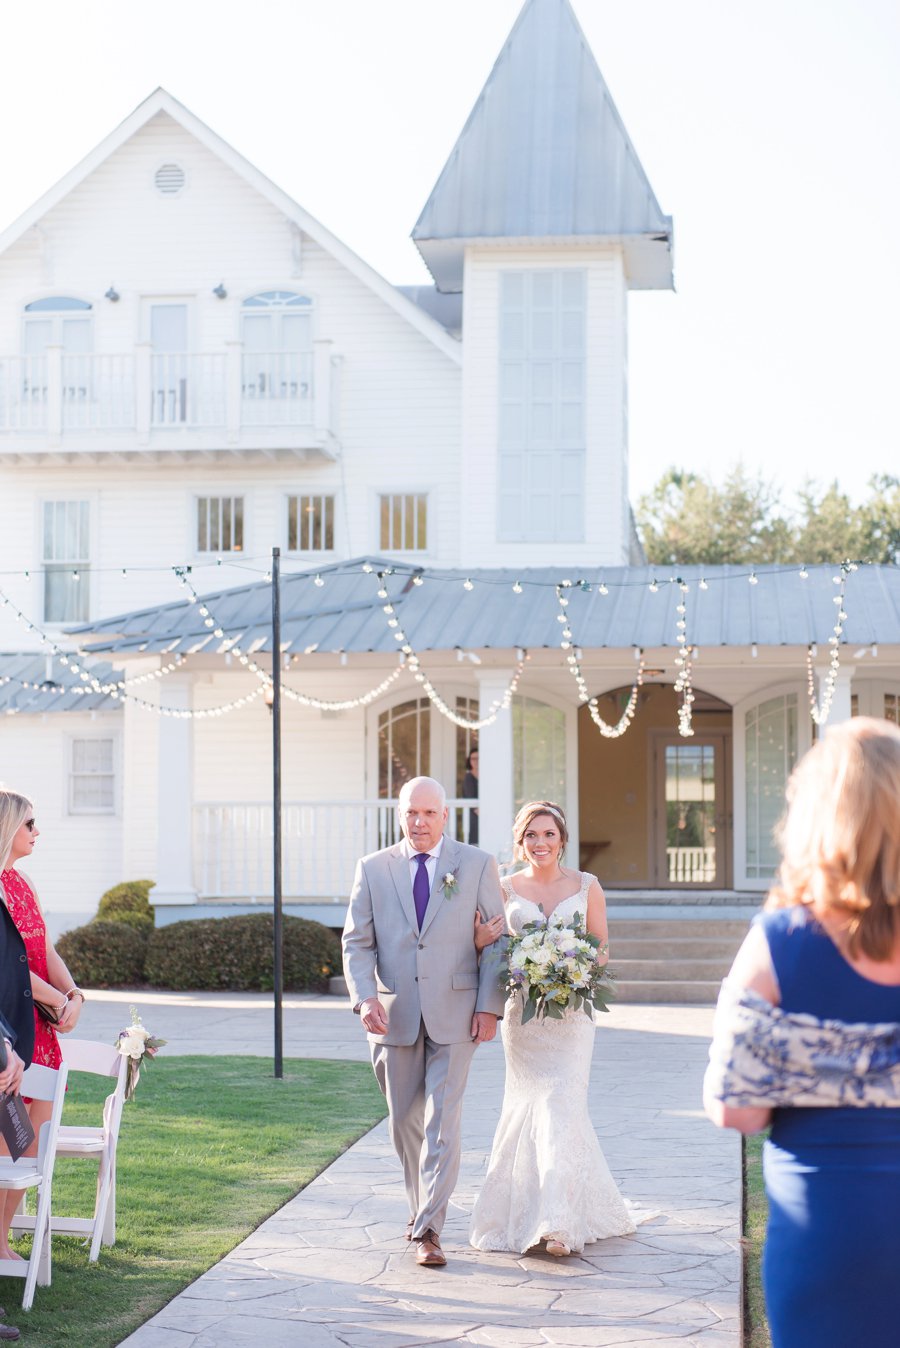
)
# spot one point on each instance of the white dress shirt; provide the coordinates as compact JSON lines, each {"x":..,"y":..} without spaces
{"x":430,"y":864}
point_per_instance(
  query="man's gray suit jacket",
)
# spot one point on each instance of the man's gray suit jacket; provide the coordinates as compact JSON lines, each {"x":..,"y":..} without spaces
{"x":433,"y":976}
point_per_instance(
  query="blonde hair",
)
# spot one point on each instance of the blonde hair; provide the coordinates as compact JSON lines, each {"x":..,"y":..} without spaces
{"x":840,"y":835}
{"x":530,"y":812}
{"x":14,"y":810}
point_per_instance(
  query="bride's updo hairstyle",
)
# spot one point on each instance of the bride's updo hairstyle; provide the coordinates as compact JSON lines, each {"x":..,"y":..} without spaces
{"x":840,"y":835}
{"x":523,"y":820}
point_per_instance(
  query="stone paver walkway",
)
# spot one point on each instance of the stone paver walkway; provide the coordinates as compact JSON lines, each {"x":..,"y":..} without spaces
{"x":331,"y":1269}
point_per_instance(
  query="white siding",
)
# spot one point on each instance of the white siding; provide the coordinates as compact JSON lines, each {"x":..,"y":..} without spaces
{"x":77,"y":856}
{"x":398,"y":396}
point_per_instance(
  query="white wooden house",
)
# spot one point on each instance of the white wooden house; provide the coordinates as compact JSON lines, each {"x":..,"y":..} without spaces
{"x":194,"y":370}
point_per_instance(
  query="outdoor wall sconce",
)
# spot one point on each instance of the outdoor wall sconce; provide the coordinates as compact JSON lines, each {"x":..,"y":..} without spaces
{"x":112,"y":295}
{"x":220,"y":292}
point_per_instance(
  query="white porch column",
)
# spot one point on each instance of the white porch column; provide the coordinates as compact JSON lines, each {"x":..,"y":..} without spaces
{"x":840,"y":703}
{"x":495,"y":767}
{"x":175,"y":813}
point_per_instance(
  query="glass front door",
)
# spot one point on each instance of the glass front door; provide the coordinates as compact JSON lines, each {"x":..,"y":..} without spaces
{"x":693,"y":819}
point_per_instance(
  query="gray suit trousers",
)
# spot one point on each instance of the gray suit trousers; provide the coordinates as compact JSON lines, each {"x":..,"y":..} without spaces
{"x":423,"y":1084}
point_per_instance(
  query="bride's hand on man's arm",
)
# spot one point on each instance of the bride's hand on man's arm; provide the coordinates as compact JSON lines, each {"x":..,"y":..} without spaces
{"x":487,"y":931}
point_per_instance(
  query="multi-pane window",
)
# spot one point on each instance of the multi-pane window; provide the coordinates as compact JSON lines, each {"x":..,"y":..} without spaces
{"x":66,"y":558}
{"x":310,"y":523}
{"x":220,"y":524}
{"x":772,"y":749}
{"x":892,"y":707}
{"x":541,"y":405}
{"x":276,"y":328}
{"x":92,"y":779}
{"x":404,"y":523}
{"x":404,"y":745}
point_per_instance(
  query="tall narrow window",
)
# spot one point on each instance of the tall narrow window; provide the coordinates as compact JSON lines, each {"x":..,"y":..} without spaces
{"x":63,"y":321}
{"x":539,"y":751}
{"x":66,"y":558}
{"x":771,"y":731}
{"x":276,"y":330}
{"x":404,"y":523}
{"x":220,"y":524}
{"x":92,"y":777}
{"x":541,"y":405}
{"x":404,"y":745}
{"x":310,"y":523}
{"x":892,"y":707}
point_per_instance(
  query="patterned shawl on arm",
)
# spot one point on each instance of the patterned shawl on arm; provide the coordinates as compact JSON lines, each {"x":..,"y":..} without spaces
{"x":762,"y":1056}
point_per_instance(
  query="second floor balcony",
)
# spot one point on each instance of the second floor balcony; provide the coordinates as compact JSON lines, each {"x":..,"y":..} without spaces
{"x":183,"y":403}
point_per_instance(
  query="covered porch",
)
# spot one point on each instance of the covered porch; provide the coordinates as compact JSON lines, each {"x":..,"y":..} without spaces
{"x":669,"y":755}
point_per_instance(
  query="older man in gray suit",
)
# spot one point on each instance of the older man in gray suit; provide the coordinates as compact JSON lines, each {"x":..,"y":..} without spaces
{"x":424,"y":996}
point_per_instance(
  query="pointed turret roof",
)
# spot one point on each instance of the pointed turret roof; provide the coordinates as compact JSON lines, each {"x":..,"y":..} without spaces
{"x":544,"y":154}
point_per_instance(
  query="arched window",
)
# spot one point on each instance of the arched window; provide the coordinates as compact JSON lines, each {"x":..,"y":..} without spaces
{"x":63,"y":321}
{"x":58,"y":320}
{"x":404,"y":745}
{"x":276,"y":330}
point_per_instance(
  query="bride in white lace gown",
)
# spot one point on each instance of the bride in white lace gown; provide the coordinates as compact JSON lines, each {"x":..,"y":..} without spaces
{"x":547,"y":1178}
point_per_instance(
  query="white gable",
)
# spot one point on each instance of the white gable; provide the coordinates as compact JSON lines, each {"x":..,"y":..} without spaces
{"x":160,"y":111}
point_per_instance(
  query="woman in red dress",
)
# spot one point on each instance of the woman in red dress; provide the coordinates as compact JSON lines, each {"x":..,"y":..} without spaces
{"x":51,"y":981}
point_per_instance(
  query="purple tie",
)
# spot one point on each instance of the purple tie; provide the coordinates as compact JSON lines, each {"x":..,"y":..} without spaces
{"x":421,"y":887}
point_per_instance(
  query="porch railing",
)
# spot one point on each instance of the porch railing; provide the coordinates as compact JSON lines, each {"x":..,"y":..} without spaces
{"x":691,"y":865}
{"x":144,"y":390}
{"x":321,"y":841}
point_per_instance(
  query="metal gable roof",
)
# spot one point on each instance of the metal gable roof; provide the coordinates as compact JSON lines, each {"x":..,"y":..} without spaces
{"x":35,"y":683}
{"x":545,"y":154}
{"x":346,"y":614}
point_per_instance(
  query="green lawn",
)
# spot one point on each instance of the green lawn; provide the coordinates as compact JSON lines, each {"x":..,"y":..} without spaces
{"x":756,"y":1331}
{"x":209,"y":1147}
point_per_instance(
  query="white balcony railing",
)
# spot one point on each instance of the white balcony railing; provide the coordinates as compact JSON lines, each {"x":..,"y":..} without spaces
{"x":691,"y":865}
{"x":147,"y":392}
{"x":321,"y":841}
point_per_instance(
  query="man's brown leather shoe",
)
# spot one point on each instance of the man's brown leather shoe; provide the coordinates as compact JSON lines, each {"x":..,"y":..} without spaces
{"x":429,"y":1253}
{"x":409,"y":1227}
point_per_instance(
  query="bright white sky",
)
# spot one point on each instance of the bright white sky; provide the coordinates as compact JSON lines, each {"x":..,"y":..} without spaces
{"x":768,"y":128}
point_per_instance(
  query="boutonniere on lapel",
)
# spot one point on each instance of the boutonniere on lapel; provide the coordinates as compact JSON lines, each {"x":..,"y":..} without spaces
{"x":449,"y":885}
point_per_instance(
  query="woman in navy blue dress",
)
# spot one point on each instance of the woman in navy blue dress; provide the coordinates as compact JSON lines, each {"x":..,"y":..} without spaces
{"x":828,"y":945}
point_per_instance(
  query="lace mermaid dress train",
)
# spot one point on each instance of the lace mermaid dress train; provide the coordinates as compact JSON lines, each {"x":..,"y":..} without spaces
{"x":547,"y":1176}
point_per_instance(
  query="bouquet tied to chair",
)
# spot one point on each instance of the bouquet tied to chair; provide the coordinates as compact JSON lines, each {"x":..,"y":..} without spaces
{"x":136,"y":1043}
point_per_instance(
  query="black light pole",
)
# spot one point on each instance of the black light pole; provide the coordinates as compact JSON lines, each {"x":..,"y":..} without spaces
{"x":277,"y":954}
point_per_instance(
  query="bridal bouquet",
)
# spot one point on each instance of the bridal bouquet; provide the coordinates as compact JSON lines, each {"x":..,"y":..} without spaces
{"x":555,"y":967}
{"x":136,"y":1043}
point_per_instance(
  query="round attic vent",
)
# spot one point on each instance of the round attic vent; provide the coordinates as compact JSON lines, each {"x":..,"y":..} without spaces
{"x":169,"y":179}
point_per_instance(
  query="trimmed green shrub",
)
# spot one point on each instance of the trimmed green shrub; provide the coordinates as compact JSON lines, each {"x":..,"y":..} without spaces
{"x":128,"y":902}
{"x":236,"y":953}
{"x":105,"y":954}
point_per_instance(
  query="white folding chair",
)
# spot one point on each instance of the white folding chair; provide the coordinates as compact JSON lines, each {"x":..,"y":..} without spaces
{"x":36,"y":1172}
{"x":87,"y":1055}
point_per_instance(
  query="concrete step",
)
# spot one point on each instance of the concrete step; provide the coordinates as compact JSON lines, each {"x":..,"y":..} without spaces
{"x":337,"y":986}
{"x":672,"y":971}
{"x":676,"y":898}
{"x":652,"y":992}
{"x":671,"y":948}
{"x":699,"y":929}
